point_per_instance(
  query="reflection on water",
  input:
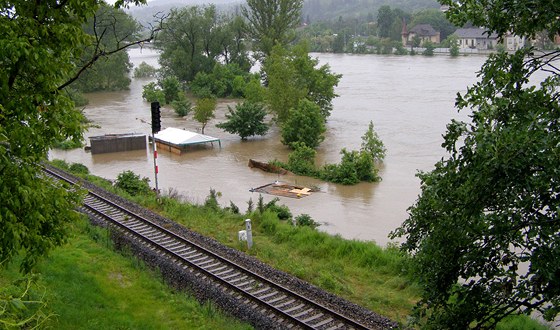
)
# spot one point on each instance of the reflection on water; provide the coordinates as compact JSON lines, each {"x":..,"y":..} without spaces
{"x":410,"y":99}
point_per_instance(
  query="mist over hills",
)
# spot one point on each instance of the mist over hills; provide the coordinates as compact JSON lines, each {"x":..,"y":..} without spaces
{"x":313,"y":10}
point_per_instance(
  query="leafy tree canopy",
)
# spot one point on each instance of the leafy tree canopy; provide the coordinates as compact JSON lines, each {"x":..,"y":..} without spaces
{"x":42,"y":44}
{"x":304,"y":124}
{"x":246,"y":120}
{"x":271,"y":21}
{"x":204,"y":110}
{"x":484,"y":233}
{"x":292,"y":76}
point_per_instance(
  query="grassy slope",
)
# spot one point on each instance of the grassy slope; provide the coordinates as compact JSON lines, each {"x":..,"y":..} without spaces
{"x":88,"y":286}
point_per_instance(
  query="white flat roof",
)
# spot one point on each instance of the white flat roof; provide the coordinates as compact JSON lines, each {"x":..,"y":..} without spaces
{"x":182,"y":137}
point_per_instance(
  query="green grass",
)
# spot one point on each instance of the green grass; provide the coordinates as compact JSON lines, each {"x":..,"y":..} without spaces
{"x":362,"y":272}
{"x":89,"y":286}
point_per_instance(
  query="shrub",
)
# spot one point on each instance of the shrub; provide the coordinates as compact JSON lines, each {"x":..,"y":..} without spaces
{"x":77,"y":168}
{"x":132,"y":183}
{"x":306,"y":220}
{"x":302,"y":159}
{"x":182,"y":105}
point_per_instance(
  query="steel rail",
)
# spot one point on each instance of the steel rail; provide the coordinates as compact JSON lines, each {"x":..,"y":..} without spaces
{"x":343,"y":321}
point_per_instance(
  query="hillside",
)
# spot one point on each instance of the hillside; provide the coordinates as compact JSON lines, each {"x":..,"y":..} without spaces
{"x":313,"y":10}
{"x":332,"y":9}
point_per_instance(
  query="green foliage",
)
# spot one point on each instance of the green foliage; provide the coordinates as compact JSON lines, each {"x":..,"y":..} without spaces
{"x":78,"y":168}
{"x":306,"y":220}
{"x":204,"y":111}
{"x":171,"y":88}
{"x":246,"y":120}
{"x":270,"y":22}
{"x":302,"y":159}
{"x":144,"y":70}
{"x":181,"y":105}
{"x":211,"y":201}
{"x":354,"y":167}
{"x":453,"y":45}
{"x":254,"y":91}
{"x":22,"y":304}
{"x":484,"y":233}
{"x":372,"y":144}
{"x":305,"y":124}
{"x":223,"y":81}
{"x":281,"y":211}
{"x":109,"y":28}
{"x":152,"y":93}
{"x":132,"y":183}
{"x":292,"y":76}
{"x":385,"y":20}
{"x":429,"y":48}
{"x":197,"y":38}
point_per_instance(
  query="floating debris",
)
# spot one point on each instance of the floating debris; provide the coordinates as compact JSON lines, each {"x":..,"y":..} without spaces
{"x":284,"y":190}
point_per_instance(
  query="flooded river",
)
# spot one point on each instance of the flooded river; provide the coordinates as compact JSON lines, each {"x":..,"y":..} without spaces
{"x":410,"y":99}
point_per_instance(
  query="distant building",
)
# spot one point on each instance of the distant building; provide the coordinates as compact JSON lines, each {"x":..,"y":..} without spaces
{"x":476,"y":38}
{"x":423,"y":31}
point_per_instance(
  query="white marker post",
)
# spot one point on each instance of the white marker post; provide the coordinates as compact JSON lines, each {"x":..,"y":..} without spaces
{"x":249,"y":233}
{"x":156,"y":169}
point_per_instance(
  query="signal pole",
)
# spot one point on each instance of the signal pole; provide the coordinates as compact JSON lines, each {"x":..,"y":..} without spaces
{"x":156,"y":127}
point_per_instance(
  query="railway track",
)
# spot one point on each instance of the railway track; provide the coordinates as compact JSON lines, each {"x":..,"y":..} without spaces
{"x":289,"y":309}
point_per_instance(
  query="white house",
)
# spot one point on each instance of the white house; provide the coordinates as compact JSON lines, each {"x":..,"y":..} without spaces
{"x":476,"y":38}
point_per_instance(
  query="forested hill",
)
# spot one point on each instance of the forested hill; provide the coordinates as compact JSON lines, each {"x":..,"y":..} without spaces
{"x":315,"y":10}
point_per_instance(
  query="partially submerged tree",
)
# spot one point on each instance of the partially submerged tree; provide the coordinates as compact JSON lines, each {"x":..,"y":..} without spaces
{"x":204,"y":111}
{"x":292,"y":76}
{"x":372,"y":144}
{"x":484,"y":234}
{"x":304,"y":124}
{"x":246,"y":120}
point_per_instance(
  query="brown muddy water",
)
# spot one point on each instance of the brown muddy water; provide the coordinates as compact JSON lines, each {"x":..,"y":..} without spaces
{"x":410,"y":99}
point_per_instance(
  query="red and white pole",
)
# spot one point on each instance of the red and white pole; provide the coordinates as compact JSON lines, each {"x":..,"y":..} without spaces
{"x":154,"y":143}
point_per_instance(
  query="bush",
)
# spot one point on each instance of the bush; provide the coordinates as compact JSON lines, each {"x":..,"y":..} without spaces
{"x":144,"y":70}
{"x":182,"y":105}
{"x":77,"y":168}
{"x":302,"y":160}
{"x":132,"y":183}
{"x":211,"y":201}
{"x":306,"y":220}
{"x":152,"y":93}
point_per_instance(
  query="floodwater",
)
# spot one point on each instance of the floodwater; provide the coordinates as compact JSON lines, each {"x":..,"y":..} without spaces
{"x":410,"y":99}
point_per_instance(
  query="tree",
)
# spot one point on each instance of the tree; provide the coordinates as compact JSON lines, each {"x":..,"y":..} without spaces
{"x":171,"y":88}
{"x":372,"y":144}
{"x":302,"y":159}
{"x":110,"y":27}
{"x":246,"y":120}
{"x":270,"y":22}
{"x":144,"y":70}
{"x":453,"y":45}
{"x":292,"y":76}
{"x":204,"y":111}
{"x":152,"y":93}
{"x":385,"y":20}
{"x":304,"y":124}
{"x":42,"y":49}
{"x":484,"y":233}
{"x":186,"y":43}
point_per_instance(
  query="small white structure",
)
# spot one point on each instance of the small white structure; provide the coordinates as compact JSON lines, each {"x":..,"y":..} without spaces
{"x":178,"y":140}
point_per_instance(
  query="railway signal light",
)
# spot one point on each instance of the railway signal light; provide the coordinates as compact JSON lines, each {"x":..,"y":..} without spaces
{"x":156,"y":117}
